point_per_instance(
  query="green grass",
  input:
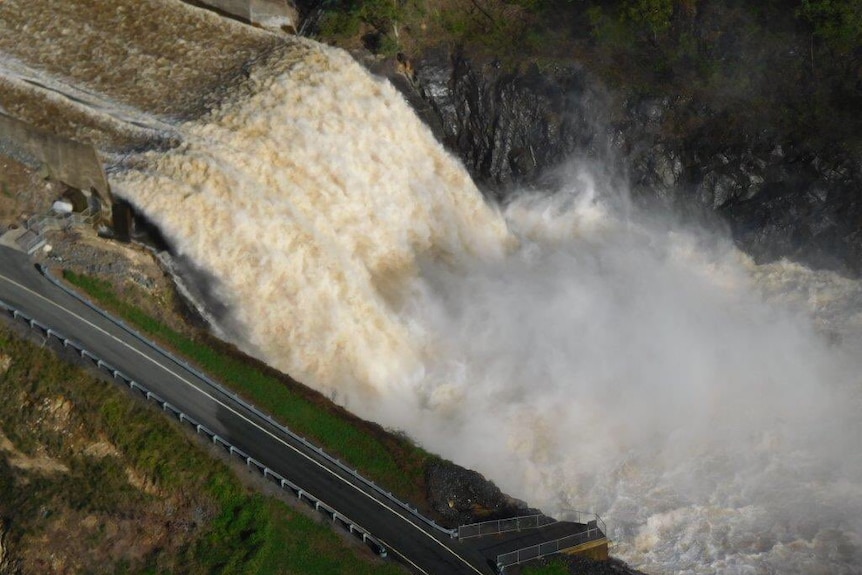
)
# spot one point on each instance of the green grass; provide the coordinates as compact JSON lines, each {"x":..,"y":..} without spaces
{"x":242,"y":532}
{"x":357,"y":447}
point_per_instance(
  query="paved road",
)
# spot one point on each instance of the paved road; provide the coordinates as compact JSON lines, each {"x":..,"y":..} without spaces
{"x":406,"y":538}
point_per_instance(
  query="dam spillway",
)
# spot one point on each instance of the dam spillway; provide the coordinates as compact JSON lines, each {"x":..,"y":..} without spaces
{"x":75,"y":67}
{"x":574,"y":350}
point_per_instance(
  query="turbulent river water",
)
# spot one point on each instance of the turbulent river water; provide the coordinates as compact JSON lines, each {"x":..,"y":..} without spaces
{"x":579,"y":352}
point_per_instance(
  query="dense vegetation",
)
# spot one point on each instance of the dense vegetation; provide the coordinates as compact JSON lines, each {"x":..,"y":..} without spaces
{"x":790,"y":65}
{"x":94,"y":481}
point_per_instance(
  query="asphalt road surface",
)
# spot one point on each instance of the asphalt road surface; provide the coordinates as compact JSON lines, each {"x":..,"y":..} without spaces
{"x":407,"y":539}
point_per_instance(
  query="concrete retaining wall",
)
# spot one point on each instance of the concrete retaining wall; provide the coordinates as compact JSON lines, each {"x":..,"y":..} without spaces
{"x":275,"y":15}
{"x":73,"y":163}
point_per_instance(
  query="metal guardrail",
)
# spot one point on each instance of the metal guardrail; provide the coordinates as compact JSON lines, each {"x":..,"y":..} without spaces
{"x":285,"y":484}
{"x":592,"y":533}
{"x":504,"y":525}
{"x":413,"y":511}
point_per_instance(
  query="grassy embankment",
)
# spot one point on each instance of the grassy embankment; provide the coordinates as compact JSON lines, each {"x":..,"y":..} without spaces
{"x":94,"y":481}
{"x":395,"y":464}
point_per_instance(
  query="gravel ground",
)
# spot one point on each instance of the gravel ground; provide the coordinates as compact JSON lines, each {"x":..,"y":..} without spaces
{"x":23,"y":193}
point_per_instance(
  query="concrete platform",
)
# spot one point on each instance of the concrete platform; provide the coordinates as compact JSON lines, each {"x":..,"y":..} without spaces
{"x":493,"y":546}
{"x":23,"y":240}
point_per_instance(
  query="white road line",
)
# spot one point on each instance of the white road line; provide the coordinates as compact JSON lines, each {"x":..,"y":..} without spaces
{"x":241,"y":416}
{"x":415,"y":566}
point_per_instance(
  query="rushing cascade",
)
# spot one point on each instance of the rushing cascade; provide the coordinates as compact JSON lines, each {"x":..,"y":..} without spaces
{"x":312,"y":202}
{"x":578,"y":352}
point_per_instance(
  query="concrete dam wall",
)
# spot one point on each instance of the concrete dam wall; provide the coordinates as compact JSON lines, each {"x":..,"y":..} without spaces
{"x":73,"y":163}
{"x":276,"y":15}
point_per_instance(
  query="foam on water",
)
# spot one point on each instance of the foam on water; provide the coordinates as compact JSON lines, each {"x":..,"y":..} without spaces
{"x":580,"y":354}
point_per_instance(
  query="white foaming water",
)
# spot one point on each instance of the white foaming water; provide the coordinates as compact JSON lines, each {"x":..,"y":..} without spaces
{"x":578,"y":353}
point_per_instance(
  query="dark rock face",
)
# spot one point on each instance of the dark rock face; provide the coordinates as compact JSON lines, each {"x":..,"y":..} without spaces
{"x":463,"y":496}
{"x":576,"y":564}
{"x":778,"y":197}
{"x":508,"y":127}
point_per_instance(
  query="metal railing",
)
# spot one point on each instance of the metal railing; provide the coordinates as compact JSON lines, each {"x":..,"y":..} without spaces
{"x":595,"y":530}
{"x":583,"y":517}
{"x":38,"y":225}
{"x":318,"y":451}
{"x":504,"y":525}
{"x":60,"y":221}
{"x":285,"y":484}
{"x":31,"y":244}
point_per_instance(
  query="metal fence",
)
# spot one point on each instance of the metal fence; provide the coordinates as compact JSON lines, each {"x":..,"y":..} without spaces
{"x":583,"y":517}
{"x":352,"y":472}
{"x":285,"y":484}
{"x":60,"y":221}
{"x":595,"y":529}
{"x":31,"y":241}
{"x":504,"y":525}
{"x":36,"y":226}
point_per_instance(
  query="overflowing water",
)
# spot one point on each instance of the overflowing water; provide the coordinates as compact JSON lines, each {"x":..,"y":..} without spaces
{"x":90,"y":69}
{"x":580,"y":353}
{"x":155,"y":54}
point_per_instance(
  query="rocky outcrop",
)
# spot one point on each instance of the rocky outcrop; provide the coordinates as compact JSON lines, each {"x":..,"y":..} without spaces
{"x":578,"y":564}
{"x":462,"y":496}
{"x":779,"y":197}
{"x":6,"y":566}
{"x":508,"y":127}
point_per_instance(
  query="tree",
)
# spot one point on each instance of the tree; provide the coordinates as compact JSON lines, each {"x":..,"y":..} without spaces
{"x":655,"y":15}
{"x":838,"y":23}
